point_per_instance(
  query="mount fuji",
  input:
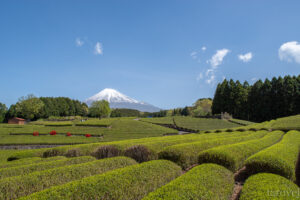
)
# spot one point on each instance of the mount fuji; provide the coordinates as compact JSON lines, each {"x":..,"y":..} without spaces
{"x":118,"y":100}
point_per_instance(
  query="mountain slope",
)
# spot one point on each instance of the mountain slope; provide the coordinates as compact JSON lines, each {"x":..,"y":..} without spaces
{"x":119,"y":100}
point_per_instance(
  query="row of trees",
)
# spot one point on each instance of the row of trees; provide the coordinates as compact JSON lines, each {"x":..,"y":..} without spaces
{"x":258,"y":102}
{"x":31,"y":107}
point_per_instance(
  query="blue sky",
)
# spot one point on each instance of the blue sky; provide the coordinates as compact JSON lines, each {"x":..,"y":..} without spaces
{"x":167,"y":53}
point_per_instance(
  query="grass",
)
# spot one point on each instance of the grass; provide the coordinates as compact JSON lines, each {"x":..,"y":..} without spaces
{"x":133,"y":182}
{"x":186,"y":154}
{"x":279,"y":159}
{"x":241,"y":122}
{"x":97,"y":122}
{"x":120,"y":129}
{"x":29,"y":168}
{"x":19,"y":186}
{"x":197,"y":124}
{"x":233,"y":156}
{"x":204,"y":182}
{"x":159,"y":120}
{"x":202,"y":124}
{"x":265,"y":186}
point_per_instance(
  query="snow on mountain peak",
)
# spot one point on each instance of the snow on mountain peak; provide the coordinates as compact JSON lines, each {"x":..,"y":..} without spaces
{"x":118,"y":100}
{"x":111,"y":95}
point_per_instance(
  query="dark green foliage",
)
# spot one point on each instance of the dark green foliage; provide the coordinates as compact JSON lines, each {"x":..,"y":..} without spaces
{"x":233,"y":156}
{"x":106,"y":151}
{"x":140,"y":153}
{"x":265,"y":186}
{"x":73,"y":153}
{"x":129,"y":183}
{"x":52,"y":153}
{"x":26,"y":169}
{"x":297,"y":170}
{"x":124,"y":112}
{"x":279,"y":159}
{"x":204,"y":182}
{"x":19,"y":186}
{"x":51,"y":106}
{"x":260,"y":102}
{"x":3,"y":110}
{"x":99,"y":109}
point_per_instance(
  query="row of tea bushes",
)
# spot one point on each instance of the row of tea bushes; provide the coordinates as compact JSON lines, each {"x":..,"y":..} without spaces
{"x":186,"y":154}
{"x":88,"y":149}
{"x":19,"y":186}
{"x":151,"y":150}
{"x":265,"y":186}
{"x":233,"y":156}
{"x":27,"y":161}
{"x":279,"y":159}
{"x":133,"y":182}
{"x":207,"y":181}
{"x":26,"y":169}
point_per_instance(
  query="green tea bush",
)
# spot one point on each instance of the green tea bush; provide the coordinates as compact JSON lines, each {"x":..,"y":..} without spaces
{"x":207,"y":181}
{"x":73,"y":153}
{"x":233,"y":156}
{"x":31,"y":160}
{"x":278,"y":159}
{"x":52,"y":153}
{"x":19,"y":186}
{"x":89,"y":149}
{"x":140,"y":153}
{"x":265,"y":186}
{"x":26,"y":169}
{"x":150,"y":150}
{"x":186,"y":154}
{"x":133,"y":182}
{"x":107,"y":151}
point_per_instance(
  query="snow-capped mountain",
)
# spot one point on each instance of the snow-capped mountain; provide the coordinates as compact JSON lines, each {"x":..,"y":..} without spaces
{"x":118,"y":100}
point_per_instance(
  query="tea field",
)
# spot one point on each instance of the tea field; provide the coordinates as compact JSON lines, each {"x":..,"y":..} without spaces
{"x":255,"y":161}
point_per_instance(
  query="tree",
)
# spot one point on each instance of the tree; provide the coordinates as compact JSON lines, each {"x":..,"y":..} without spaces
{"x":99,"y":109}
{"x":185,"y":111}
{"x":3,"y":110}
{"x":29,"y":107}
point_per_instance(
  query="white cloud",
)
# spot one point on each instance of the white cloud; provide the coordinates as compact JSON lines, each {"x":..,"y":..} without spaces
{"x":211,"y":79}
{"x":290,"y":51}
{"x":98,"y":49}
{"x":217,"y":59}
{"x":203,"y":48}
{"x":246,"y":57}
{"x":194,"y":54}
{"x":79,"y":42}
{"x":253,"y":79}
{"x":200,"y":76}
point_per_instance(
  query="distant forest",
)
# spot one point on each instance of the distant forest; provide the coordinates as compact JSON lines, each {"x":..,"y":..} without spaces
{"x":259,"y":102}
{"x":44,"y":107}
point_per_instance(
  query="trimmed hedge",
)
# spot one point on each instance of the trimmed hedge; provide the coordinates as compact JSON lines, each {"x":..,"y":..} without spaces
{"x":27,"y":161}
{"x":151,"y":150}
{"x":133,"y":182}
{"x":265,"y":186}
{"x":26,"y":169}
{"x":19,"y":186}
{"x":233,"y":156}
{"x":278,"y":159}
{"x":186,"y":154}
{"x":207,"y":181}
{"x":88,"y":149}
